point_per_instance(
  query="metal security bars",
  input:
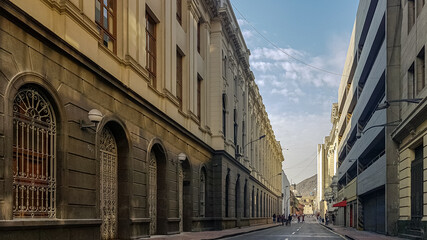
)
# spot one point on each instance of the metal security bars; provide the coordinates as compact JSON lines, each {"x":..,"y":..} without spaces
{"x":109,"y":194}
{"x":34,"y":156}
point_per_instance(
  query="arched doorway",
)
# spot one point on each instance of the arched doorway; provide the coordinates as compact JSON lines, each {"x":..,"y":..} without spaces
{"x":157,"y":197}
{"x":257,"y":203}
{"x":113,"y":148}
{"x":237,"y":198}
{"x":108,"y":185}
{"x":227,"y":186}
{"x":253,"y":201}
{"x":186,"y":195}
{"x":245,"y":199}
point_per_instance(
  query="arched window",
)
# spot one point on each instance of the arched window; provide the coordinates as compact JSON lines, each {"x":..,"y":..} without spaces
{"x":34,"y":155}
{"x":203,"y":193}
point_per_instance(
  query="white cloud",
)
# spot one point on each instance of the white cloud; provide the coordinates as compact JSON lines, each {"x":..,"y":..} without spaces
{"x":262,"y":66}
{"x":247,"y":34}
{"x":269,"y":59}
{"x":242,"y":22}
{"x":300,"y":133}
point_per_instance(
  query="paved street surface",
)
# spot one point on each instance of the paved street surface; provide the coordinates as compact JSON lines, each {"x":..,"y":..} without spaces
{"x":310,"y":229}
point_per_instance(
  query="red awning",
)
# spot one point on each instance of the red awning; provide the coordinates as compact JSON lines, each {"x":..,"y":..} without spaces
{"x":340,"y":204}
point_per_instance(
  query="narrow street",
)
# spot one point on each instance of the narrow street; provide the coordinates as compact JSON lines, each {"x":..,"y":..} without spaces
{"x":310,"y":229}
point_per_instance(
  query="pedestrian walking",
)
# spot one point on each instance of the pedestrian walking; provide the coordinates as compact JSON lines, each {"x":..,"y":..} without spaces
{"x":274,"y":218}
{"x":289,"y":219}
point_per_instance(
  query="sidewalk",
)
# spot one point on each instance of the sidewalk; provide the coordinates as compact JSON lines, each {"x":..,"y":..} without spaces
{"x":352,"y":233}
{"x":213,"y":234}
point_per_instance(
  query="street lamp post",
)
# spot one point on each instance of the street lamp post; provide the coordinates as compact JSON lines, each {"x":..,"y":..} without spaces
{"x":386,"y":103}
{"x":394,"y":123}
{"x":244,"y":147}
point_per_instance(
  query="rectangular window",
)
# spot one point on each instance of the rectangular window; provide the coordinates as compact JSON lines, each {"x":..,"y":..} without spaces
{"x":150,"y":32}
{"x":420,"y":5}
{"x":224,"y":65}
{"x":243,"y":134}
{"x":411,"y":14}
{"x":224,"y":114}
{"x":235,"y":127}
{"x":105,"y":18}
{"x":179,"y":77}
{"x":179,"y":11}
{"x":421,"y":69}
{"x":199,"y":96}
{"x":411,"y":82}
{"x":235,"y":86}
{"x":198,"y":37}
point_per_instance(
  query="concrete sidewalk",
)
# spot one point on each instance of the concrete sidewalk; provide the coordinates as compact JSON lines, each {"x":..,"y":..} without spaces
{"x":213,"y":234}
{"x":352,"y":233}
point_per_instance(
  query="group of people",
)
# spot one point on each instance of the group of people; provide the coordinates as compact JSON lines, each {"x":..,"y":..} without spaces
{"x":286,"y":220}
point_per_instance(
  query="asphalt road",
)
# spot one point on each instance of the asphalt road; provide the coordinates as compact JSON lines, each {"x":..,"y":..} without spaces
{"x":309,"y":229}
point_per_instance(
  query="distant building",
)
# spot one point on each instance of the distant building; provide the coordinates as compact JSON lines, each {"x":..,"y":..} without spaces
{"x":327,"y":157}
{"x":286,"y":190}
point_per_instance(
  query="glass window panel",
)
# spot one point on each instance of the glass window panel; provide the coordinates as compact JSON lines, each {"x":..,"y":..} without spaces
{"x":105,"y":2}
{"x":105,"y":18}
{"x":106,"y":40}
{"x":110,"y":23}
{"x":97,"y":11}
{"x":111,"y":44}
{"x":110,"y":5}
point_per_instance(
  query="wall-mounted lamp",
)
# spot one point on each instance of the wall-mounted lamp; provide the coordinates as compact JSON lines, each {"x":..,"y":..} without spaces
{"x":95,"y":116}
{"x":386,"y":104}
{"x":182,"y":157}
{"x":394,"y":123}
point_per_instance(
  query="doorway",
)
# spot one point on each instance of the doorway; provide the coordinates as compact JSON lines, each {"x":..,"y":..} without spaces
{"x":417,"y":188}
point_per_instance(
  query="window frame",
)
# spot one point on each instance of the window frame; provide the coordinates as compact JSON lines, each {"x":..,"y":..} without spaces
{"x":100,"y":24}
{"x":179,"y":77}
{"x":199,"y":96}
{"x":151,"y":54}
{"x":179,"y":11}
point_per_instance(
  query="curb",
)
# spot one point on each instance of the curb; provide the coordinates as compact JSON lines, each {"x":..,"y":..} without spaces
{"x":240,"y":233}
{"x":349,"y":237}
{"x":330,"y":229}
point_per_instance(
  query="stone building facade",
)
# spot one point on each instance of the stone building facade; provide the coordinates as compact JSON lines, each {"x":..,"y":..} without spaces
{"x":410,"y":135}
{"x":327,"y":163}
{"x":183,"y":141}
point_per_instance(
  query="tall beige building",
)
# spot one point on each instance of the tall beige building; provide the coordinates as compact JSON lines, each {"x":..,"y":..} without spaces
{"x":327,"y":156}
{"x":125,"y":119}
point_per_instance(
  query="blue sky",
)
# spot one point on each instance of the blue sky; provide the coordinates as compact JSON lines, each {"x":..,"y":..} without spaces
{"x":298,"y":98}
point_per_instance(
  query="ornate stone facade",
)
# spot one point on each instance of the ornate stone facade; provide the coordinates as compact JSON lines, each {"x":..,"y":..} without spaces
{"x":167,"y":156}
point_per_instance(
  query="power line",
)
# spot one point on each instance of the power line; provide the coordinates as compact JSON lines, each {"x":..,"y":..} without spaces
{"x":307,"y":165}
{"x":297,"y":165}
{"x":281,"y":50}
